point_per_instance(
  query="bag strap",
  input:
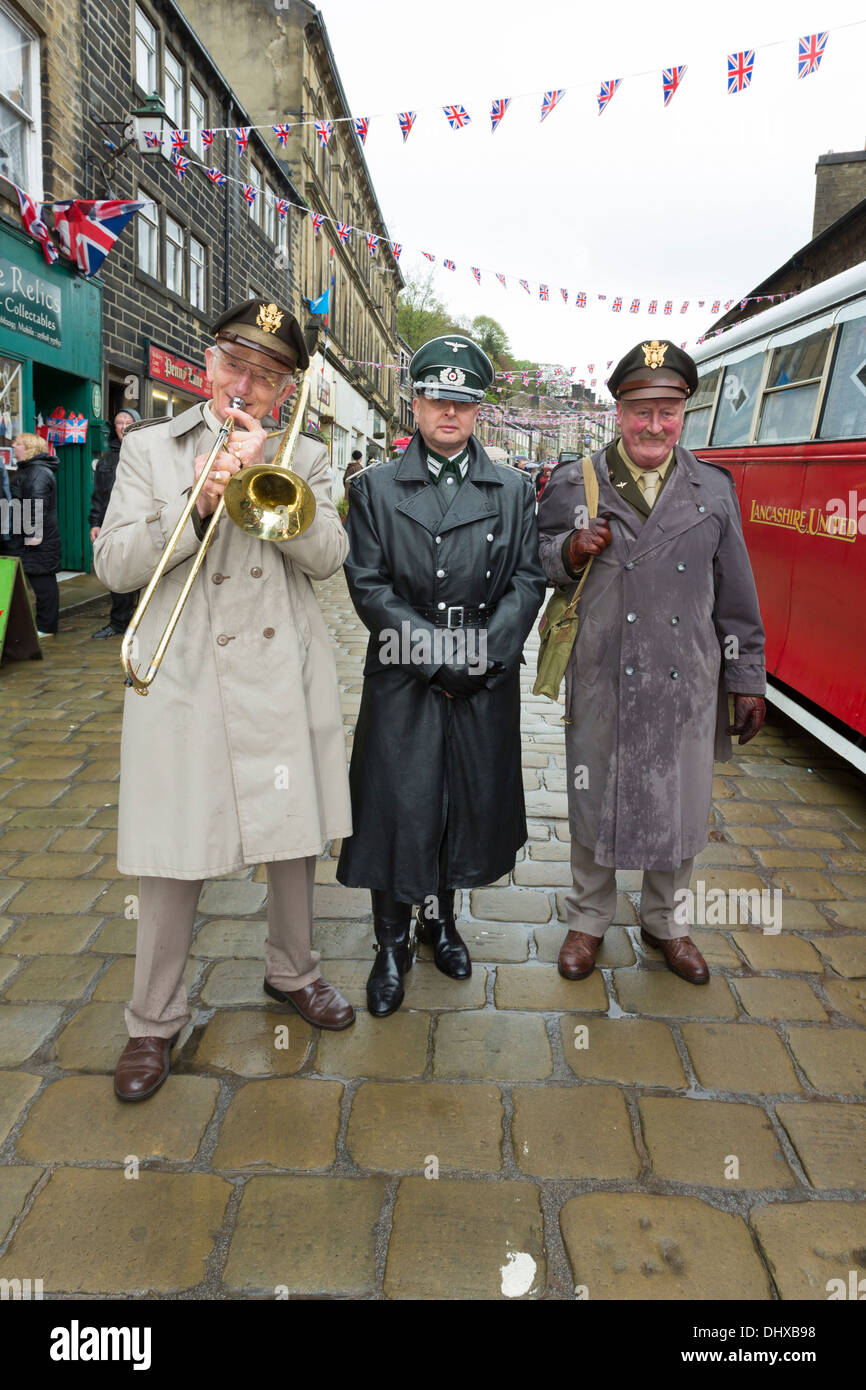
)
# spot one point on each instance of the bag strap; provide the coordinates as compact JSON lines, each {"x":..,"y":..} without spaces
{"x":590,"y":483}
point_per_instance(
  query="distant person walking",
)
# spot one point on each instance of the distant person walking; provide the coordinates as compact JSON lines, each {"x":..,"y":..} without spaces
{"x":356,"y":463}
{"x":122,"y":605}
{"x":35,"y":540}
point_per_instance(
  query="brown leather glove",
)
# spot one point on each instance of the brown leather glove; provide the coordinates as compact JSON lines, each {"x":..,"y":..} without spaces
{"x":582,"y":545}
{"x":749,"y":714}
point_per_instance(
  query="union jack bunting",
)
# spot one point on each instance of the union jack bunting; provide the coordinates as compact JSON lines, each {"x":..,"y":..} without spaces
{"x":216,"y":176}
{"x":282,"y":207}
{"x":811,"y":51}
{"x":407,"y":120}
{"x":616,"y":305}
{"x":728,"y":305}
{"x":318,"y":219}
{"x":32,"y":215}
{"x":343,"y":230}
{"x":396,"y":249}
{"x":362,"y":128}
{"x":429,"y":255}
{"x":497,"y":111}
{"x":206,"y":139}
{"x":501,"y":279}
{"x":633,"y":309}
{"x":740,"y":68}
{"x":716,"y":306}
{"x":581,"y":300}
{"x":652,"y":307}
{"x":372,"y":243}
{"x":564,"y":294}
{"x":551,"y":99}
{"x":610,"y":363}
{"x":242,"y":135}
{"x":457,"y":116}
{"x":543,"y":292}
{"x":181,"y":164}
{"x":178,"y":139}
{"x":701,"y":303}
{"x":250,"y":193}
{"x":449,"y":265}
{"x":671,"y":79}
{"x":591,"y":366}
{"x":153,"y":139}
{"x":684,"y":307}
{"x":601,"y":296}
{"x":282,"y":132}
{"x":324,"y":130}
{"x":607,"y":92}
{"x":477,"y":273}
{"x":524,"y":284}
{"x":669,"y":306}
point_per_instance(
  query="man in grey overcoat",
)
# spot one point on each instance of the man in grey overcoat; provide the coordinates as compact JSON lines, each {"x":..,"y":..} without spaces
{"x":669,"y":626}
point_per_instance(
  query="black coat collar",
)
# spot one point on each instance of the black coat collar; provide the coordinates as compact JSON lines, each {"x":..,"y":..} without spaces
{"x":412,"y":467}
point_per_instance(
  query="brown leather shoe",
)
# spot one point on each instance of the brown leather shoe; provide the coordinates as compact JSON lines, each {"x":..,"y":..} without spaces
{"x":681,"y":956}
{"x":577,"y":955}
{"x":142,"y":1067}
{"x":319,"y":1003}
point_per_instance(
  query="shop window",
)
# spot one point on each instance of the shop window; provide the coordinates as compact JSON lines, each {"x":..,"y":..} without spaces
{"x":147,"y":226}
{"x":145,"y":52}
{"x":173,"y":255}
{"x":699,"y":410}
{"x":20,"y":136}
{"x":197,"y":117}
{"x":173,"y":100}
{"x":10,"y":404}
{"x":733,"y":424}
{"x":339,"y":443}
{"x":197,"y":285}
{"x":845,"y":408}
{"x":791,"y":393}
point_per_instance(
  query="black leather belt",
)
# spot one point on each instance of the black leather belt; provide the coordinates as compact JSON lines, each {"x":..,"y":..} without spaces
{"x":456,"y":615}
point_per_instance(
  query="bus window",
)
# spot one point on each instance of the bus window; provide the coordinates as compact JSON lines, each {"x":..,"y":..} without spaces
{"x":699,"y":409}
{"x":791,"y":393}
{"x":736,"y":403}
{"x":845,"y":410}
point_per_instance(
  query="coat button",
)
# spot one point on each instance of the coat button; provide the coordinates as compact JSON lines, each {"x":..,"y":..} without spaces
{"x":218,"y":578}
{"x":674,"y":620}
{"x":440,"y":605}
{"x":222,"y":640}
{"x":629,"y":670}
{"x":488,"y":574}
{"x":256,"y":572}
{"x":631,"y":617}
{"x":675,"y":675}
{"x":268,"y":632}
{"x":440,"y":574}
{"x":630,"y":565}
{"x":438,"y":540}
{"x":680,"y":566}
{"x":702,"y":509}
{"x":490,"y":535}
{"x":482,"y":605}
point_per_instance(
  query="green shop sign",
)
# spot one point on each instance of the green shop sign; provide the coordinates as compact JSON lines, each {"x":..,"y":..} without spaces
{"x":30,"y":304}
{"x":48,"y":313}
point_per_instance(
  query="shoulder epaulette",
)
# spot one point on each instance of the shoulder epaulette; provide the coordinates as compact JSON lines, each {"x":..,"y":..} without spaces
{"x":142,"y":424}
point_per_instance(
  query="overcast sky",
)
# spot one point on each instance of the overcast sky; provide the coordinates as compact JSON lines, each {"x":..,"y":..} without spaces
{"x":699,"y":200}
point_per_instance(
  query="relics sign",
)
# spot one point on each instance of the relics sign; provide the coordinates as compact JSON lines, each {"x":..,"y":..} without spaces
{"x":29,"y":303}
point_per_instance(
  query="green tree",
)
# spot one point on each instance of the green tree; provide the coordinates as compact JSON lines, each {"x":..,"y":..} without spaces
{"x":490,"y":336}
{"x":420,"y":314}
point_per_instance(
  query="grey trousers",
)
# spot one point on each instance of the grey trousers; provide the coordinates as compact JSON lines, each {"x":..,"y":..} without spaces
{"x":166,"y":916}
{"x":590,"y":905}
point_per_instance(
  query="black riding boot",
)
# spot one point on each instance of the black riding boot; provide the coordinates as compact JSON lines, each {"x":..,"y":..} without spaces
{"x":392,"y":921}
{"x":449,"y":948}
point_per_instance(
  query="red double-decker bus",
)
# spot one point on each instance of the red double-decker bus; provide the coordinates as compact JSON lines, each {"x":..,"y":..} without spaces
{"x":781,"y":403}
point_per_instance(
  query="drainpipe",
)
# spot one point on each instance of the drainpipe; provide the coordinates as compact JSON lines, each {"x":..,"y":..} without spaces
{"x":227,"y":218}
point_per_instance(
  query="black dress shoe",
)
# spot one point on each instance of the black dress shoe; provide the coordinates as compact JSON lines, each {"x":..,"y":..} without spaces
{"x":392,"y":923}
{"x":449,"y":949}
{"x":107,"y":631}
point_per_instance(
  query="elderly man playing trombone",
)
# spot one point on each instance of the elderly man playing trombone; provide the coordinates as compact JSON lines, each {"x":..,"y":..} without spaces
{"x":237,"y":755}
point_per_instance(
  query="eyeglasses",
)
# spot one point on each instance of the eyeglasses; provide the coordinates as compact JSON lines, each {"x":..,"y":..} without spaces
{"x":267,"y":381}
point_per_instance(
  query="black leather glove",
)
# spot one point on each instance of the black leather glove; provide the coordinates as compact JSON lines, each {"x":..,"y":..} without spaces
{"x":749,"y":714}
{"x":459,"y":681}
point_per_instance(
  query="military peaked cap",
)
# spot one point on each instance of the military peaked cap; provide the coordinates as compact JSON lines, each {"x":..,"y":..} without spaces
{"x":653,"y":369}
{"x":451,"y":368}
{"x":266,"y":327}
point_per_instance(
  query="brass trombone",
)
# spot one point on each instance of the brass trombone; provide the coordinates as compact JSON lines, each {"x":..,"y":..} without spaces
{"x":267,"y":501}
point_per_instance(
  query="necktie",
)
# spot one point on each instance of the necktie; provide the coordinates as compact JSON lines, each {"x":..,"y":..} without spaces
{"x":650,"y":481}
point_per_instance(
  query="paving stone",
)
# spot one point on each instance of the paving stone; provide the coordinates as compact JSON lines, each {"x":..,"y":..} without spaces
{"x":628,"y":1246}
{"x":491,"y":1046}
{"x":789,"y":859}
{"x":27,"y":841}
{"x":542,"y":987}
{"x":337,"y":901}
{"x":232,"y":897}
{"x":550,"y":849}
{"x":660,"y":992}
{"x":822,"y":817}
{"x":394,"y":1127}
{"x":747,"y":813}
{"x":848,"y":997}
{"x":282,"y":1123}
{"x":625,"y":915}
{"x":116,"y":983}
{"x":750,"y":835}
{"x":94,"y":794}
{"x":79,"y":1120}
{"x":394,"y":1046}
{"x":834,"y":1059}
{"x":806,"y":1244}
{"x":16,"y":1089}
{"x":60,"y":895}
{"x":306,"y":1236}
{"x":235,"y":982}
{"x":116,"y":938}
{"x":782,"y":952}
{"x":31,"y":794}
{"x":834,"y":793}
{"x":455,"y":1240}
{"x":54,"y":865}
{"x":768,"y":998}
{"x":736,"y":1057}
{"x":848,"y":914}
{"x":93,"y":1040}
{"x":24,"y":1028}
{"x":634,"y":1051}
{"x":43,"y":769}
{"x":693,"y":1141}
{"x":252,"y":1042}
{"x":542,"y":873}
{"x":615,"y":948}
{"x":568,"y":1132}
{"x":722,"y":855}
{"x":426,"y":987}
{"x":763,"y":789}
{"x":16,"y":1184}
{"x":509,"y":905}
{"x":8,"y":967}
{"x":846,"y":955}
{"x":830,"y":1140}
{"x":55,"y":977}
{"x":506,"y":941}
{"x":92,"y":1230}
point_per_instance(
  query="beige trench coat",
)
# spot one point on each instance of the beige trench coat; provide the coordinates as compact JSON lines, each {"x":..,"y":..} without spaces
{"x":236,"y":756}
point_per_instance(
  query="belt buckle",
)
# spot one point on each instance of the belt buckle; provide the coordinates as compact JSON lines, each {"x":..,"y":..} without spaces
{"x":456,"y":608}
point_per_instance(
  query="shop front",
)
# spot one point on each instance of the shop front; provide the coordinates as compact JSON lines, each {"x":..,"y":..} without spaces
{"x":51,"y":373}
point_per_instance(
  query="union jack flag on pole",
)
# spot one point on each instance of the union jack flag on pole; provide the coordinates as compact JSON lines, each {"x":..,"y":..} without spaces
{"x":216,"y":176}
{"x":282,"y":133}
{"x":324,"y":130}
{"x":206,"y":139}
{"x":242,"y":135}
{"x":550,"y":100}
{"x":501,"y":279}
{"x":178,"y":139}
{"x":525,"y":285}
{"x":740,"y":68}
{"x":372,"y":243}
{"x":343,"y":230}
{"x":477,"y":273}
{"x":449,"y":265}
{"x":811,"y":51}
{"x":497,"y":111}
{"x":671,"y":79}
{"x":407,"y":120}
{"x":35,"y":224}
{"x":88,"y":230}
{"x":606,"y":95}
{"x":250,"y":193}
{"x":362,"y":128}
{"x":318,"y":219}
{"x":457,"y":116}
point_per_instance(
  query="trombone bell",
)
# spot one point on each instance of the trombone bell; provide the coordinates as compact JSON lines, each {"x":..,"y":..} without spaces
{"x":269,"y":503}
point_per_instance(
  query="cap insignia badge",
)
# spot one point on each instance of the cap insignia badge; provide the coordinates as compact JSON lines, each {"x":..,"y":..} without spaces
{"x":269,"y":318}
{"x":654,"y":354}
{"x":456,"y":346}
{"x":452,"y":376}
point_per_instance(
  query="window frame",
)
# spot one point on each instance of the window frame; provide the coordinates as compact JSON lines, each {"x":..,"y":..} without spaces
{"x":167,"y":55}
{"x":31,"y":174}
{"x":154,"y":221}
{"x":819,"y":381}
{"x":193,"y":86}
{"x":712,"y":406}
{"x":203,"y":306}
{"x":154,"y":85}
{"x":181,"y":246}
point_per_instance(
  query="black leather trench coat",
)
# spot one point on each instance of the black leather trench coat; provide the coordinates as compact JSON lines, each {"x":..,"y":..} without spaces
{"x":424,"y":766}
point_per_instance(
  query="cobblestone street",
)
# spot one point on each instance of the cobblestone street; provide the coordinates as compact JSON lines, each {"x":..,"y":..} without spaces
{"x":628,"y":1136}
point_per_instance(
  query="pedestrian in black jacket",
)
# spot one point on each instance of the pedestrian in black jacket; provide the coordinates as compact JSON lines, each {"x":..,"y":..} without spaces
{"x":122,"y":605}
{"x":35,"y":534}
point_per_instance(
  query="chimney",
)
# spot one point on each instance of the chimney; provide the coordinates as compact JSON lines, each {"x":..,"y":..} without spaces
{"x":840,"y":183}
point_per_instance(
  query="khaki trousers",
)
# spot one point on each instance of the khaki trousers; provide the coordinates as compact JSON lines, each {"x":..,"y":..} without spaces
{"x":166,"y":916}
{"x":590,"y":906}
